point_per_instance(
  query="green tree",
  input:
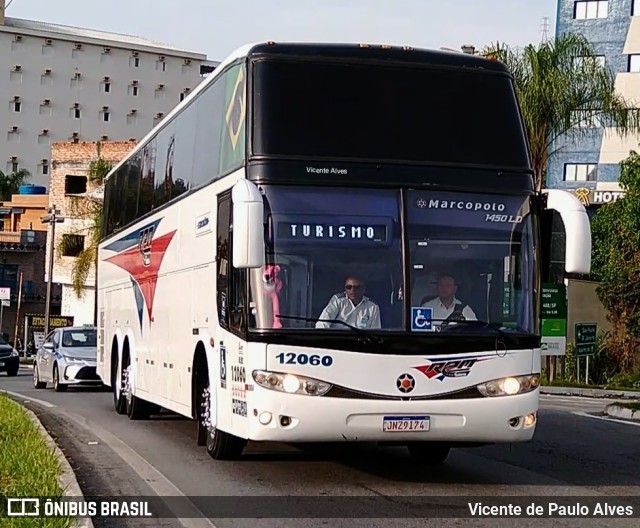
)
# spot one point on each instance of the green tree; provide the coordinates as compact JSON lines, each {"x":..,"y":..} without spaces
{"x":560,"y":84}
{"x":616,"y":264}
{"x":88,"y":209}
{"x":10,"y":183}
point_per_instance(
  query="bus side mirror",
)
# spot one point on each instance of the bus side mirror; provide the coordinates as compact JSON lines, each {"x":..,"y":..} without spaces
{"x":248,"y":226}
{"x":577,"y":227}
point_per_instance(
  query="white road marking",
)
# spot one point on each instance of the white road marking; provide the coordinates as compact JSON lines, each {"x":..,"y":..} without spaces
{"x":160,"y":484}
{"x":35,"y":400}
{"x":586,"y":415}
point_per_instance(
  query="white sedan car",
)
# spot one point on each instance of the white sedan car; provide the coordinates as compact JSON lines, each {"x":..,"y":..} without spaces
{"x":67,"y":357}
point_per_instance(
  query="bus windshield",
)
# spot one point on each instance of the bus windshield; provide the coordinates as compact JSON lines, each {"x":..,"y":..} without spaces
{"x":319,"y":240}
{"x":472,"y":252}
{"x":336,"y":255}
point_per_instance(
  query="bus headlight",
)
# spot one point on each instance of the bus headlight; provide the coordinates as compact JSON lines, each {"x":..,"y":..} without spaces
{"x":510,"y":386}
{"x":290,"y":383}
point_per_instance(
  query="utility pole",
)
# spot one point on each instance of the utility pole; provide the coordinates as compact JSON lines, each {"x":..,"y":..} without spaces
{"x":52,"y":218}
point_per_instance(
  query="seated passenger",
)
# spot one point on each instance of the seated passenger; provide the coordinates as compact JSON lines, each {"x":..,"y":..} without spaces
{"x":445,"y":307}
{"x":352,"y":307}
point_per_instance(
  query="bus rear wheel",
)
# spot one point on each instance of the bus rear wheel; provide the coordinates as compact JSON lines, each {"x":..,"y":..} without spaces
{"x":119,"y":400}
{"x":429,"y":453}
{"x":220,"y":445}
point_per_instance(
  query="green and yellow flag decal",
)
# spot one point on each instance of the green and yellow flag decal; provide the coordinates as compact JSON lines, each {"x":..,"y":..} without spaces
{"x":233,"y":137}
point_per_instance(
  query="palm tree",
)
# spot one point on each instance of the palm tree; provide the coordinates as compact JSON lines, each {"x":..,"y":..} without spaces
{"x":10,"y":183}
{"x":559,"y":84}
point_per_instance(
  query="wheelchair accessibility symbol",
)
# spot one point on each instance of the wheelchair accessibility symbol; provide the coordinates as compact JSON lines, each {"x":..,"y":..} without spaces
{"x":421,"y":319}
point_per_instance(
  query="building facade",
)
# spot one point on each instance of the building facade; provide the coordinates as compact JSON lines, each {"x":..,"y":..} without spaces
{"x":589,"y":165}
{"x":62,"y":83}
{"x":23,"y":240}
{"x":77,"y":199}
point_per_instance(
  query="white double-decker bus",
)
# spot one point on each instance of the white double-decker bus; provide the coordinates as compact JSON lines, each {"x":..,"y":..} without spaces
{"x":332,"y":243}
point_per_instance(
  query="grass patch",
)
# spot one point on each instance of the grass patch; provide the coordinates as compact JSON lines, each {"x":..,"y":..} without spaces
{"x":28,"y":466}
{"x":577,"y":385}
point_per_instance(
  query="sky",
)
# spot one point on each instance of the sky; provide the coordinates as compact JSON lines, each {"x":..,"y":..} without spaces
{"x":217,"y":27}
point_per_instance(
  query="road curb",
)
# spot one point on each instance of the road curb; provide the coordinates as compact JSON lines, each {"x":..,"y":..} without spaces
{"x":592,"y":393}
{"x":68,"y":481}
{"x":619,"y":411}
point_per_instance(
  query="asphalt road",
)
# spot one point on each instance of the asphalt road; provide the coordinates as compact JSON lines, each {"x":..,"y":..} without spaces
{"x":572,"y":454}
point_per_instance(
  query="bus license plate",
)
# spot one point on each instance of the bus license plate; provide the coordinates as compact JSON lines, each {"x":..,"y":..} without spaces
{"x":405,"y":424}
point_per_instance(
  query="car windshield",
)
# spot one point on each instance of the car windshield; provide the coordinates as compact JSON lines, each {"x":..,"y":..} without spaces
{"x":79,"y":338}
{"x":3,"y":341}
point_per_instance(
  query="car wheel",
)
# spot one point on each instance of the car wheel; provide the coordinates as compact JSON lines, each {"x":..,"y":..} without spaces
{"x":57,"y":386}
{"x":13,"y":371}
{"x":36,"y":378}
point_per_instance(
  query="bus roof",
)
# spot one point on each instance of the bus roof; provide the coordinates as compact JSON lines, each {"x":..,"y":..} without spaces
{"x":379,"y":52}
{"x":373,"y":52}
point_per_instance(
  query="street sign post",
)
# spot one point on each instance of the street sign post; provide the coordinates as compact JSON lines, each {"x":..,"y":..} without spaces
{"x":586,"y":334}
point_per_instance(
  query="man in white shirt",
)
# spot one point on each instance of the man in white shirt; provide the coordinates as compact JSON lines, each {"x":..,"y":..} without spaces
{"x":445,"y":307}
{"x":352,"y":307}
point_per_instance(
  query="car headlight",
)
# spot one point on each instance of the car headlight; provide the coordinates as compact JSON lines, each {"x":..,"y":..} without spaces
{"x":510,"y":386}
{"x":14,"y":353}
{"x":71,"y":359}
{"x":290,"y":383}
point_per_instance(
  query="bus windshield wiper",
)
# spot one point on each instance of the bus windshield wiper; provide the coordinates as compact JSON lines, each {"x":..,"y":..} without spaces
{"x":369,"y":337}
{"x":476,"y":322}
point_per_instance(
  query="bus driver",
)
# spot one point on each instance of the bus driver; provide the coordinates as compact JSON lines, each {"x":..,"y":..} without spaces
{"x":351,"y":306}
{"x":446,"y":307}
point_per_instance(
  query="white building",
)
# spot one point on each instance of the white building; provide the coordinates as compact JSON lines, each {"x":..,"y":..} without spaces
{"x":61,"y":83}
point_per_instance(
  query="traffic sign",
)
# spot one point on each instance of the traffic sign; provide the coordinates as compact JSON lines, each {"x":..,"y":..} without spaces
{"x":5,"y":294}
{"x":586,"y":339}
{"x":553,"y":316}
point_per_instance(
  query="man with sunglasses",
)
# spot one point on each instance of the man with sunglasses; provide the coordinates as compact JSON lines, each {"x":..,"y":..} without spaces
{"x":351,"y":306}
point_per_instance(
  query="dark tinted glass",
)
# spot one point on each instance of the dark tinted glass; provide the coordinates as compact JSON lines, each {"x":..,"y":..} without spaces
{"x":194,"y":149}
{"x":386,"y":113}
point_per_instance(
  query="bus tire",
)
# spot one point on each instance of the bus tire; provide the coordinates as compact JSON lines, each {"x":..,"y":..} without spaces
{"x":220,"y":445}
{"x":119,"y":401}
{"x":429,"y":453}
{"x":137,"y":408}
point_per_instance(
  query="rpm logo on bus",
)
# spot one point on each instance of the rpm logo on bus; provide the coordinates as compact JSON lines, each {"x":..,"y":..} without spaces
{"x":145,"y":237}
{"x":442,"y":368}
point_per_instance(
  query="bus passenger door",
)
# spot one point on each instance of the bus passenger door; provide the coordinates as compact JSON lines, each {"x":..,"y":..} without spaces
{"x":231,"y":298}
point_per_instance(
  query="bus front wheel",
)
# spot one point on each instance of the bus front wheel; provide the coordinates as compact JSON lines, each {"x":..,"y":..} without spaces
{"x":429,"y":453}
{"x":220,"y":445}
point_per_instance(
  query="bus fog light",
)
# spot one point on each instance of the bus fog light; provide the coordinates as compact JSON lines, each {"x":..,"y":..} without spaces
{"x":513,"y":422}
{"x":511,"y":386}
{"x":285,"y":421}
{"x":529,"y":419}
{"x":290,"y":383}
{"x":265,"y":418}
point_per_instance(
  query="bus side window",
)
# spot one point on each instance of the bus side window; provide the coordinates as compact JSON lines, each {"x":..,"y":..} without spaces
{"x":223,"y":257}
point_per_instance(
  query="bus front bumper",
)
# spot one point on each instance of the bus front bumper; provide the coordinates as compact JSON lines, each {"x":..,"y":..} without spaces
{"x":295,"y":418}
